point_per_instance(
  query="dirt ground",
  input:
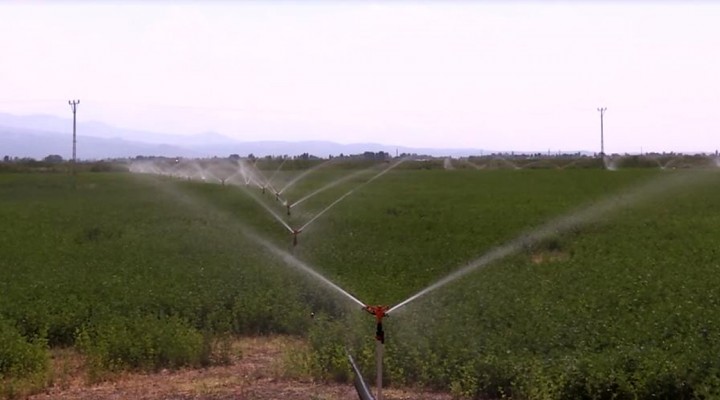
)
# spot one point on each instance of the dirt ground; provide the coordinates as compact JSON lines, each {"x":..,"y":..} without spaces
{"x":256,"y":371}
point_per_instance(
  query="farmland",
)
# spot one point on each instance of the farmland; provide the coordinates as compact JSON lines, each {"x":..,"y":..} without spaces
{"x":146,"y":272}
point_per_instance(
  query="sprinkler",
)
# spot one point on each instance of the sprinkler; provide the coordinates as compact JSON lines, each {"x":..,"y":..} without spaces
{"x":379,"y":312}
{"x":288,"y":208}
{"x":295,"y":233}
{"x":263,"y":190}
{"x":277,"y":196}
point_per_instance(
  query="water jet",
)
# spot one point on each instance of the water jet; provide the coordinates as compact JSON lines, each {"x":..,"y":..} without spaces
{"x":379,"y":174}
{"x":561,"y":224}
{"x":303,"y":175}
{"x":330,"y":185}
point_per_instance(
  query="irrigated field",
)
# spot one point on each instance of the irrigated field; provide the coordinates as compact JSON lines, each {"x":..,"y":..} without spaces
{"x":147,"y":272}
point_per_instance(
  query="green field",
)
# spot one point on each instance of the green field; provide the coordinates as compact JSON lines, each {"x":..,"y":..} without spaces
{"x":147,"y":272}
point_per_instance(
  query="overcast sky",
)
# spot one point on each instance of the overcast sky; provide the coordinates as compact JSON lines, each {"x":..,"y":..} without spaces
{"x":492,"y":75}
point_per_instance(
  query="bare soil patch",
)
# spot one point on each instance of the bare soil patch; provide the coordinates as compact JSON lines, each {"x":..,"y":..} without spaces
{"x":553,"y":256}
{"x":256,"y":371}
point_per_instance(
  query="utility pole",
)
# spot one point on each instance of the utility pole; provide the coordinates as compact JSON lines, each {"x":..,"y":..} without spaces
{"x":73,"y":105}
{"x":602,"y":139}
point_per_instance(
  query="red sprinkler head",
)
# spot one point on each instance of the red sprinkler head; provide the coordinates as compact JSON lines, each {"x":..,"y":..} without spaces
{"x":379,"y":312}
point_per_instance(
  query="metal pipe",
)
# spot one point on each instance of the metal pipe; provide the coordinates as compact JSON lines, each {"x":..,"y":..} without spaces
{"x":379,"y":347}
{"x":360,"y":385}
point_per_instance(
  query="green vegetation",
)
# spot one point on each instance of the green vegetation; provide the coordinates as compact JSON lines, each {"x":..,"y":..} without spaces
{"x":144,"y":272}
{"x":23,"y":361}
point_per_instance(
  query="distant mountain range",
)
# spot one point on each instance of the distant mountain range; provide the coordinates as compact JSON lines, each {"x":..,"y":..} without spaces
{"x":38,"y":136}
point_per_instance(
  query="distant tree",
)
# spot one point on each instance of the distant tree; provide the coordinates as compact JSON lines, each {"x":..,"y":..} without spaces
{"x":6,"y":158}
{"x":234,"y":157}
{"x":251,"y":157}
{"x":53,"y":158}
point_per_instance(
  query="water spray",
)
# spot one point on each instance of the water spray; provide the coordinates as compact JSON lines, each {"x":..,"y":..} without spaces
{"x":258,"y":177}
{"x":277,"y":170}
{"x":553,"y":227}
{"x":252,"y":180}
{"x":303,"y":175}
{"x":326,"y":209}
{"x":278,"y":198}
{"x":288,"y":206}
{"x":348,"y":193}
{"x":331,"y":184}
{"x":561,"y":224}
{"x":378,"y":311}
{"x":273,"y":213}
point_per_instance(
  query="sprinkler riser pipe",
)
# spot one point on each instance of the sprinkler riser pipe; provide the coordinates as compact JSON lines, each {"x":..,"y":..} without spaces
{"x":379,"y":347}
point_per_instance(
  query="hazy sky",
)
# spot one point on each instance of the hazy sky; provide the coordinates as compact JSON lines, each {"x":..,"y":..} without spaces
{"x":493,"y":75}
